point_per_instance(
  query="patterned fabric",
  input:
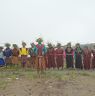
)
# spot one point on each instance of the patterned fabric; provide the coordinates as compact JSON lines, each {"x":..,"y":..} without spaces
{"x":41,"y":49}
{"x":7,"y":52}
{"x":40,"y":59}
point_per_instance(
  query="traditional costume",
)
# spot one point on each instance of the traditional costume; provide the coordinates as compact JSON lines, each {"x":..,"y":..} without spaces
{"x":51,"y":56}
{"x":59,"y":56}
{"x":24,"y":54}
{"x":86,"y":58}
{"x":15,"y":54}
{"x":40,"y":52}
{"x":32,"y":53}
{"x":78,"y":57}
{"x":69,"y":52}
{"x":93,"y":58}
{"x":46,"y":59}
{"x":2,"y":62}
{"x":8,"y":54}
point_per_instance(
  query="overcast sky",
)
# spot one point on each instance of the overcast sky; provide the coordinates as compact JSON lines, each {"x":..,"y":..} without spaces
{"x":53,"y":20}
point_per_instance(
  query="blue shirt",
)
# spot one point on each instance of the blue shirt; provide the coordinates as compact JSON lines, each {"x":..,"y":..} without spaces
{"x":7,"y":52}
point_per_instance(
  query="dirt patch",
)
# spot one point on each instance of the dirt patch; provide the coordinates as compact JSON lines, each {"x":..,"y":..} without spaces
{"x":79,"y":86}
{"x":82,"y":86}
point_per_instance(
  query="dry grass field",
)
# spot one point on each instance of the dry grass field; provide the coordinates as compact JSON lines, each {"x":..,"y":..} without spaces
{"x":26,"y":82}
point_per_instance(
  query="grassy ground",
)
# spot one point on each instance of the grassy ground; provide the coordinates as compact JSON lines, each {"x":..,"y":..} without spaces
{"x":10,"y":77}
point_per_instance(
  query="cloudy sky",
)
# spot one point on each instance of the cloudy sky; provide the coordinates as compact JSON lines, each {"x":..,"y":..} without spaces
{"x":53,"y":20}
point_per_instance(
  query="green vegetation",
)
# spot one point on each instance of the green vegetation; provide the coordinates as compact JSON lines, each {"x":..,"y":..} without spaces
{"x":8,"y":75}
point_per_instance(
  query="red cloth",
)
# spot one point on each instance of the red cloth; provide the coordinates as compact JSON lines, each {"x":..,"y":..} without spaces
{"x":40,"y":49}
{"x":87,"y":59}
{"x":41,"y":63}
{"x":51,"y":58}
{"x":93,"y":59}
{"x":60,"y":58}
{"x":15,"y":52}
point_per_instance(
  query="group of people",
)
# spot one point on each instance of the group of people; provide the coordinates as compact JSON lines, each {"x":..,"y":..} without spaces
{"x":43,"y":57}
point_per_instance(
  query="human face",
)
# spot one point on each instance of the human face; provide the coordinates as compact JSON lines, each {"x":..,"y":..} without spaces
{"x":23,"y":45}
{"x":69,"y":45}
{"x":77,"y":46}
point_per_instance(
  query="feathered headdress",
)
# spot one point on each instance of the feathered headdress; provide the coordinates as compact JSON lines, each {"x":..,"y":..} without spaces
{"x":39,"y":39}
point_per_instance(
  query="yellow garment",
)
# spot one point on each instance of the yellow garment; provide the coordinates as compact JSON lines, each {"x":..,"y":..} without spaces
{"x":23,"y":51}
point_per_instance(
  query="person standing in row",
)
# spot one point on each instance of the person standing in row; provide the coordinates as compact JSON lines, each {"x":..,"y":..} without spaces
{"x":51,"y":56}
{"x":59,"y":56}
{"x":93,"y":57}
{"x":2,"y":62}
{"x":40,"y":52}
{"x":78,"y":56}
{"x":15,"y":55}
{"x":32,"y":53}
{"x":69,"y":52}
{"x":24,"y":54}
{"x":86,"y":58}
{"x":8,"y":54}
